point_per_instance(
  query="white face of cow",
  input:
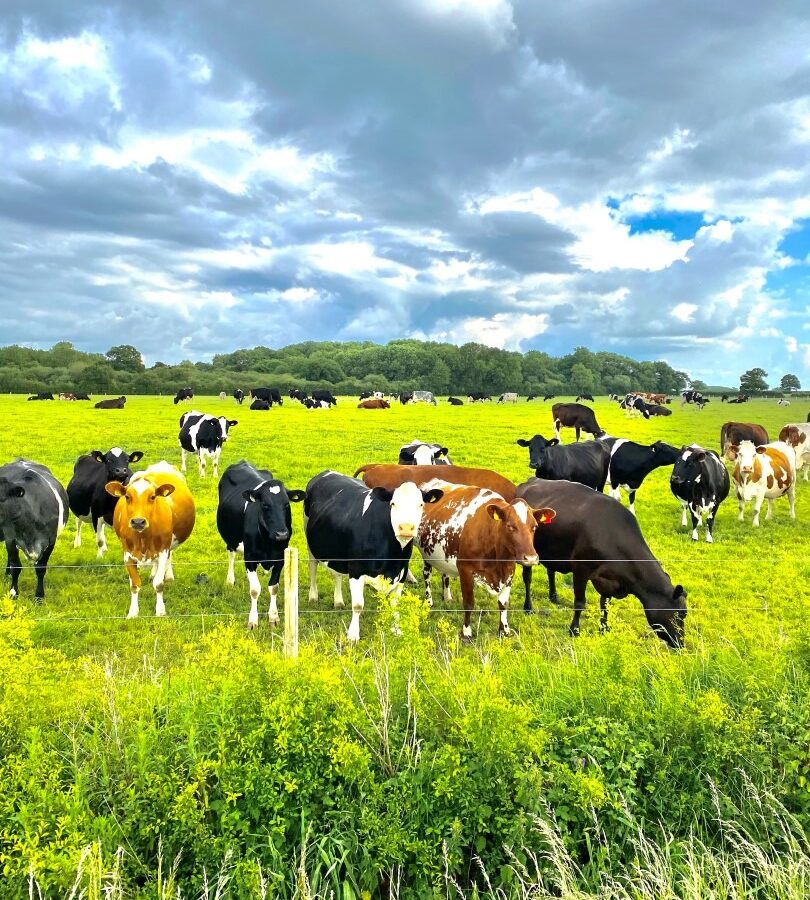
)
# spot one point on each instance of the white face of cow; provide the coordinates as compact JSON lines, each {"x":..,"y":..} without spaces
{"x":746,"y":454}
{"x":407,"y":506}
{"x":424,"y":455}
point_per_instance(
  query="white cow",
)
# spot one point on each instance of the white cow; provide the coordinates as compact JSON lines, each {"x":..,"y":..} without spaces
{"x":765,"y":473}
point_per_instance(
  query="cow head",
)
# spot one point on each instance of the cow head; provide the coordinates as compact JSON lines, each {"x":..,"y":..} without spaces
{"x":748,"y":467}
{"x":793,"y":436}
{"x":273,"y":505}
{"x":516,"y":523}
{"x":224,"y":424}
{"x":145,"y":502}
{"x":537,"y":449}
{"x":665,"y":454}
{"x":10,"y":491}
{"x":688,"y":465}
{"x":666,"y":614}
{"x":117,"y":463}
{"x":420,"y":453}
{"x":407,"y":504}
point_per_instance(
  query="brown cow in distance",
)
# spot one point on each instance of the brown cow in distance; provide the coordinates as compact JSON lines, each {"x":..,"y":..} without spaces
{"x":733,"y":432}
{"x":577,"y":416}
{"x":390,"y":477}
{"x":115,"y":403}
{"x":374,"y":403}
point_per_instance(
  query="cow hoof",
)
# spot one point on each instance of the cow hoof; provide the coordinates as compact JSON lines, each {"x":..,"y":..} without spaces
{"x":273,"y":621}
{"x":466,"y":639}
{"x":528,"y":610}
{"x":338,"y":604}
{"x":574,"y":632}
{"x":504,"y":633}
{"x":252,"y":626}
{"x":604,"y":629}
{"x":553,"y":598}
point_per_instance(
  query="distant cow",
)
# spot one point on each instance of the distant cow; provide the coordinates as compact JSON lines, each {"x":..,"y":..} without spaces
{"x":743,"y":398}
{"x":325,"y":396}
{"x":632,"y":403}
{"x":549,"y":397}
{"x":423,"y":397}
{"x":311,"y":403}
{"x":154,"y":514}
{"x":797,"y":436}
{"x":420,"y":453}
{"x":585,"y":463}
{"x":478,"y":397}
{"x":764,"y":473}
{"x":42,"y":395}
{"x":455,"y":401}
{"x":390,"y":477}
{"x":655,"y":409}
{"x":631,"y":463}
{"x":783,"y":401}
{"x":33,"y":512}
{"x":598,"y":540}
{"x":254,"y":519}
{"x":693,"y":397}
{"x":260,"y":404}
{"x":239,"y":396}
{"x":509,"y":397}
{"x":300,"y":396}
{"x":700,"y":481}
{"x":271,"y":395}
{"x":66,"y":395}
{"x":731,"y":433}
{"x":183,"y":394}
{"x":115,"y":403}
{"x":405,"y":397}
{"x":204,"y":435}
{"x":88,"y":500}
{"x":222,"y":395}
{"x":81,"y":396}
{"x":576,"y":416}
{"x":374,"y":403}
{"x":585,"y":397}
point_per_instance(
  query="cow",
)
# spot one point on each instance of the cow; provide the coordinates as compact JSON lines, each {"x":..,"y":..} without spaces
{"x":42,"y":395}
{"x":183,"y":394}
{"x":508,"y":397}
{"x":154,"y":514}
{"x":114,"y":403}
{"x":585,"y":397}
{"x":423,"y":397}
{"x":222,"y":395}
{"x":731,"y":433}
{"x":326,"y":396}
{"x":695,"y":397}
{"x":405,"y":397}
{"x":82,"y":396}
{"x":300,"y":396}
{"x":364,"y":395}
{"x":478,"y":397}
{"x":653,"y":398}
{"x":724,"y":398}
{"x":475,"y":535}
{"x":391,"y":477}
{"x":655,"y":409}
{"x":743,"y":398}
{"x":310,"y":403}
{"x":632,"y":403}
{"x":631,"y":463}
{"x":531,"y":397}
{"x":33,"y":512}
{"x":549,"y":397}
{"x":585,"y":463}
{"x":260,"y":404}
{"x":764,"y":473}
{"x":783,"y":401}
{"x":576,"y":416}
{"x":420,"y":453}
{"x":88,"y":500}
{"x":614,"y":397}
{"x":374,"y":403}
{"x":204,"y":435}
{"x":239,"y":396}
{"x":597,"y":540}
{"x":797,"y":436}
{"x":66,"y":395}
{"x":254,"y":519}
{"x":455,"y":401}
{"x":700,"y":481}
{"x":371,"y":395}
{"x":361,"y":533}
{"x":271,"y":395}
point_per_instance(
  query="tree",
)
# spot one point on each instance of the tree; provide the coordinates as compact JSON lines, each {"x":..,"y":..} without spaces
{"x":125,"y":357}
{"x":789,"y":383}
{"x":582,"y":379}
{"x":697,"y":385}
{"x":753,"y":381}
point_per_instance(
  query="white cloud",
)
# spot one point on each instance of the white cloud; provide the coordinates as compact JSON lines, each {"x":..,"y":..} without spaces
{"x":684,"y":312}
{"x":504,"y":330}
{"x":791,"y":344}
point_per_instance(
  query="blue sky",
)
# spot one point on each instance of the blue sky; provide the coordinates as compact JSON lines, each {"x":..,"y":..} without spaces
{"x":196,"y":177}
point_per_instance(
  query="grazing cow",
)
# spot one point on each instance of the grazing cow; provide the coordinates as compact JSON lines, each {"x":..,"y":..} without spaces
{"x":405,"y":397}
{"x":423,"y":397}
{"x":222,"y":395}
{"x":33,"y":511}
{"x":115,"y":403}
{"x":596,"y":539}
{"x":531,"y":397}
{"x":655,"y":409}
{"x":782,"y":401}
{"x":260,"y":404}
{"x":420,"y":453}
{"x":204,"y":435}
{"x":154,"y":514}
{"x":509,"y":397}
{"x":271,"y":395}
{"x":67,"y":396}
{"x":731,"y":433}
{"x":549,"y":397}
{"x":42,"y":395}
{"x":183,"y":394}
{"x":474,"y":535}
{"x":478,"y":397}
{"x":81,"y":396}
{"x":455,"y":401}
{"x":374,"y":403}
{"x":724,"y":398}
{"x":700,"y":481}
{"x":585,"y":397}
{"x":695,"y":397}
{"x":300,"y":396}
{"x":764,"y":473}
{"x":631,"y":463}
{"x":390,"y":477}
{"x":326,"y":396}
{"x":254,"y":519}
{"x":364,"y":395}
{"x":360,"y":532}
{"x":797,"y":436}
{"x":585,"y":463}
{"x":239,"y":396}
{"x":88,"y":500}
{"x":576,"y":416}
{"x":311,"y":403}
{"x":615,"y":397}
{"x":632,"y":403}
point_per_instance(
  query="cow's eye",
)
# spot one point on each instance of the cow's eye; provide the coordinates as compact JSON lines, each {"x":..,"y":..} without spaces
{"x":152,"y":499}
{"x":129,"y":499}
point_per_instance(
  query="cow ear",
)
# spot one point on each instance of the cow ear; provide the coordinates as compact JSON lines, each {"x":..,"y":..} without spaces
{"x":553,"y":442}
{"x":700,"y":456}
{"x":136,"y":456}
{"x":545,"y":515}
{"x":249,"y":496}
{"x":232,"y":422}
{"x":406,"y":454}
{"x":16,"y":490}
{"x":164,"y":490}
{"x":494,"y":511}
{"x":679,"y":592}
{"x":381,"y":493}
{"x":296,"y":496}
{"x":433,"y":495}
{"x":760,"y":449}
{"x":731,"y":452}
{"x":443,"y":451}
{"x":522,"y":442}
{"x":115,"y":488}
{"x":97,"y":455}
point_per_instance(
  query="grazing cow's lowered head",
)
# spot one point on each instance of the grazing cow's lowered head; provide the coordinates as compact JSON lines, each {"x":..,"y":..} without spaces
{"x":273,"y":503}
{"x":666,"y":615}
{"x":537,"y":449}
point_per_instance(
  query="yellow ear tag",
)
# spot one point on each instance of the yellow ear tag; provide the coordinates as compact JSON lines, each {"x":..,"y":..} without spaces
{"x":496,"y":517}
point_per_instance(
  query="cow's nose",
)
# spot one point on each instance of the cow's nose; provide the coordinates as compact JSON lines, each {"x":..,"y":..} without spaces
{"x":407,"y":530}
{"x":281,"y":535}
{"x":137,"y":524}
{"x":530,"y":560}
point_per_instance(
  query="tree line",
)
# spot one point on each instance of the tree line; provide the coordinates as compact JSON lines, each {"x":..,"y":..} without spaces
{"x":346,"y":368}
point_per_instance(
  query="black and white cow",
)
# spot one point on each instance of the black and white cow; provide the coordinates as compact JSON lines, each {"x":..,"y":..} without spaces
{"x":478,"y":397}
{"x":311,"y":403}
{"x":183,"y":394}
{"x":508,"y":397}
{"x":632,"y":404}
{"x":254,"y":519}
{"x":655,"y":409}
{"x":325,"y":396}
{"x":89,"y":501}
{"x":420,"y":453}
{"x":204,"y":435}
{"x":700,"y":481}
{"x":42,"y":395}
{"x":695,"y":397}
{"x":586,"y":463}
{"x":360,"y":533}
{"x":585,"y":397}
{"x":260,"y":404}
{"x":271,"y":395}
{"x":239,"y":396}
{"x":366,"y":395}
{"x":33,"y":511}
{"x":631,"y":463}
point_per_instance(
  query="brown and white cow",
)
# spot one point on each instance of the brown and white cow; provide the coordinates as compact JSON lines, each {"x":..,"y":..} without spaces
{"x":474,"y":535}
{"x":764,"y":473}
{"x":155,"y":513}
{"x":390,"y":477}
{"x":731,"y":433}
{"x":797,"y":435}
{"x":374,"y":403}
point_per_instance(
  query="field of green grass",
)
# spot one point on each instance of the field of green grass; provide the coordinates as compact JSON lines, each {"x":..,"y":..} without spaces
{"x":413,"y":759}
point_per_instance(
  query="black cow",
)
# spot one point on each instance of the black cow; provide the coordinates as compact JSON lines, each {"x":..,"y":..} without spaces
{"x":89,"y":501}
{"x":420,"y":453}
{"x":405,"y":397}
{"x":42,"y":395}
{"x":326,"y":396}
{"x":597,"y":540}
{"x":239,"y":396}
{"x":254,"y":518}
{"x":82,"y":396}
{"x":531,"y":397}
{"x":33,"y":511}
{"x":584,"y":463}
{"x":724,"y":398}
{"x":114,"y":403}
{"x":585,"y":397}
{"x":204,"y":435}
{"x":260,"y":404}
{"x":271,"y":395}
{"x":183,"y":394}
{"x":576,"y":416}
{"x":455,"y":401}
{"x":743,"y":398}
{"x":693,"y":396}
{"x":300,"y":396}
{"x":360,"y":532}
{"x":549,"y":397}
{"x":631,"y":463}
{"x":655,"y":409}
{"x":700,"y":481}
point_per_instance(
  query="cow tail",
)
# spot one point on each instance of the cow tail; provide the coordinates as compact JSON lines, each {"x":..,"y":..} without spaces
{"x":362,"y":469}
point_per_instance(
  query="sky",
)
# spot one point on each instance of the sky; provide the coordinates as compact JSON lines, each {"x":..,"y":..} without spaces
{"x":197,"y":176}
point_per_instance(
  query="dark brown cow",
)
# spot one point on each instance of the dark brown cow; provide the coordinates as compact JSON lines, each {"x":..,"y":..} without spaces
{"x":390,"y":477}
{"x":115,"y":403}
{"x":577,"y":416}
{"x":374,"y":403}
{"x":733,"y":432}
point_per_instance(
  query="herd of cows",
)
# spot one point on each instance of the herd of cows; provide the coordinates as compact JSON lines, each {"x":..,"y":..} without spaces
{"x":467,"y":523}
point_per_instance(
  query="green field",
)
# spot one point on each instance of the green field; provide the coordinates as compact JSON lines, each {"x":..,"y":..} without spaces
{"x":188,"y":735}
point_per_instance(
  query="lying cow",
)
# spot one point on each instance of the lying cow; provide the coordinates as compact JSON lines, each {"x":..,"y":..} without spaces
{"x":204,"y":435}
{"x":700,"y":481}
{"x":455,"y":401}
{"x":655,"y":409}
{"x":764,"y":473}
{"x":33,"y":512}
{"x":576,"y":416}
{"x":42,"y":395}
{"x":254,"y":519}
{"x":391,"y":476}
{"x":374,"y":403}
{"x":599,"y":541}
{"x":260,"y":405}
{"x":114,"y":403}
{"x":731,"y":433}
{"x":585,"y":463}
{"x":797,"y":436}
{"x":361,"y":533}
{"x":634,"y":405}
{"x":420,"y":453}
{"x":631,"y":463}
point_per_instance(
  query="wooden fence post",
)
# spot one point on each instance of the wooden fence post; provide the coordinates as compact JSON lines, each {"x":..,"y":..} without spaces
{"x":291,"y":603}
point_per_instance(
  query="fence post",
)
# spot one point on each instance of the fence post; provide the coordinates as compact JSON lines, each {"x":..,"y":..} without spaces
{"x":291,"y":602}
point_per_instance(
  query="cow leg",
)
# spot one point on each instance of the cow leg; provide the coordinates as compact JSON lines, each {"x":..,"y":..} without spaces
{"x":683,"y":513}
{"x":337,"y":596}
{"x":577,"y":431}
{"x":710,"y":523}
{"x":741,"y":505}
{"x":552,"y":586}
{"x":806,"y":470}
{"x":580,"y":586}
{"x":169,"y":576}
{"x":467,"y":601}
{"x":13,"y":566}
{"x":40,"y":567}
{"x":134,"y":585}
{"x":101,"y":540}
{"x":215,"y":460}
{"x":632,"y":498}
{"x":447,"y":594}
{"x":255,"y":588}
{"x":230,"y":578}
{"x":201,"y":463}
{"x":272,"y":589}
{"x":503,"y":609}
{"x":358,"y":602}
{"x":410,"y":578}
{"x":313,"y":578}
{"x":603,"y":622}
{"x":182,"y":459}
{"x":757,"y":508}
{"x":791,"y":494}
{"x":77,"y":541}
{"x":557,"y":424}
{"x":527,"y":587}
{"x":159,"y":581}
{"x":426,"y":572}
{"x":695,"y":522}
